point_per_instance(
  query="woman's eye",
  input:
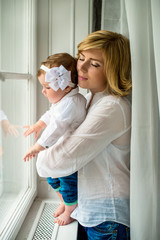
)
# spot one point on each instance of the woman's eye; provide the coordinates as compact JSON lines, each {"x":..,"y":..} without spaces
{"x":81,"y":59}
{"x":95,"y":65}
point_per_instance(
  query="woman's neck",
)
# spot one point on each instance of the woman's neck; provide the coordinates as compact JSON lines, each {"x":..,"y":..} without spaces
{"x":90,"y":101}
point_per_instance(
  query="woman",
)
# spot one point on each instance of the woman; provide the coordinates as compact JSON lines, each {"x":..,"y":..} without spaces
{"x":100,"y":148}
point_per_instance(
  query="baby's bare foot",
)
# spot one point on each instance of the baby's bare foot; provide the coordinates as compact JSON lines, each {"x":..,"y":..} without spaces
{"x":64,"y":219}
{"x":59,"y":210}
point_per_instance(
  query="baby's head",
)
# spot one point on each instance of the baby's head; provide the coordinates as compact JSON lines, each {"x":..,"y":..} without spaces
{"x":58,"y":75}
{"x":64,"y":59}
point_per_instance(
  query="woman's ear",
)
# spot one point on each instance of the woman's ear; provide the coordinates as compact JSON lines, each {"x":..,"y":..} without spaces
{"x":68,"y":89}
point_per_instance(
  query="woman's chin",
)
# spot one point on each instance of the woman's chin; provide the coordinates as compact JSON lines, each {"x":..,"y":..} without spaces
{"x":82,"y":85}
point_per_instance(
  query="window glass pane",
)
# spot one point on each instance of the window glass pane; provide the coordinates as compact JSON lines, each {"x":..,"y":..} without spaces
{"x":14,"y":36}
{"x":14,"y":102}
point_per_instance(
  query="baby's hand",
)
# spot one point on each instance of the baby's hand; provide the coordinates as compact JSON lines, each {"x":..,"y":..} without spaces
{"x":37,"y":128}
{"x":9,"y":128}
{"x":33,"y":151}
{"x":29,"y":156}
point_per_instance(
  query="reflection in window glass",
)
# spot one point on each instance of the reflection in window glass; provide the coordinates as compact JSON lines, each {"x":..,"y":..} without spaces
{"x":17,"y":179}
{"x":14,"y":36}
{"x":13,"y":171}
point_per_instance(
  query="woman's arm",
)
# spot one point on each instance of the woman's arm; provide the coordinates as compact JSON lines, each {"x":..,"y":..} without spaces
{"x":103,"y":124}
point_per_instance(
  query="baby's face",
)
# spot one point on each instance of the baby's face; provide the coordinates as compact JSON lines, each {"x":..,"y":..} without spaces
{"x":49,"y":93}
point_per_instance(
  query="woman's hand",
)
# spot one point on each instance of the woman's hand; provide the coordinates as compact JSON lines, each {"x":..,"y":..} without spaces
{"x":37,"y":128}
{"x":33,"y":151}
{"x":9,"y":128}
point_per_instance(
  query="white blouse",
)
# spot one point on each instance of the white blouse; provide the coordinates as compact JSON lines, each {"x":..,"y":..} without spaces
{"x":2,"y":116}
{"x":100,"y":151}
{"x":63,"y":118}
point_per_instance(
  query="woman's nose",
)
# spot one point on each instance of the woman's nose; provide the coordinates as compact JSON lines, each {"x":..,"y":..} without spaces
{"x":84,"y":66}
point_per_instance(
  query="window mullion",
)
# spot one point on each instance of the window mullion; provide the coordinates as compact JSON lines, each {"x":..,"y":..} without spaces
{"x":8,"y":75}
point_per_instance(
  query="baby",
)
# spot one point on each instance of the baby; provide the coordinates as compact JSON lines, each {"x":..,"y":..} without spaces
{"x":58,"y":77}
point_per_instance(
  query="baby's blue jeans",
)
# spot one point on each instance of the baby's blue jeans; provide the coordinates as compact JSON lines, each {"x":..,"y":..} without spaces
{"x":67,"y":186}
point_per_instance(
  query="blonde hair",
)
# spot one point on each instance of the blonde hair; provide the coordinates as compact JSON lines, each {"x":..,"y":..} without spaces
{"x":117,"y":59}
{"x":65,"y":59}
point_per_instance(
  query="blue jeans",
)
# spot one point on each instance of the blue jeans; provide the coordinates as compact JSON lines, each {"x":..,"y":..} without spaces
{"x":67,"y":186}
{"x":104,"y":231}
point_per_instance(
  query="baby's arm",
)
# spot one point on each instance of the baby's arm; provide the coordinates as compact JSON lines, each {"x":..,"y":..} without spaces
{"x":37,"y":128}
{"x":33,"y":151}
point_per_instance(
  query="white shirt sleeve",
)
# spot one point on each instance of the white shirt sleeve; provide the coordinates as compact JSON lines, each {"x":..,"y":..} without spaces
{"x":105,"y":122}
{"x":46,"y":117}
{"x":2,"y":116}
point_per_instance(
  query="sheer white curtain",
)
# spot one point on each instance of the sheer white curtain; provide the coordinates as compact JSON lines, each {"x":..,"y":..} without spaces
{"x":143,"y":20}
{"x":144,"y":32}
{"x":114,"y":16}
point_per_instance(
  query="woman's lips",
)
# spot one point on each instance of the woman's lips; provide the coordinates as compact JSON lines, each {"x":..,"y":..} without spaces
{"x":81,"y":78}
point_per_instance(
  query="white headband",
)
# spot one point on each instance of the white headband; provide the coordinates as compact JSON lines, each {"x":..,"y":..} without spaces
{"x":58,"y":77}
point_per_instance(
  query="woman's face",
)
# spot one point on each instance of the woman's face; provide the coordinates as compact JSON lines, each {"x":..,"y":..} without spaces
{"x":90,"y":68}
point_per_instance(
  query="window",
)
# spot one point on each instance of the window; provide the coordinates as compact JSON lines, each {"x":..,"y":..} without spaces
{"x":18,"y":103}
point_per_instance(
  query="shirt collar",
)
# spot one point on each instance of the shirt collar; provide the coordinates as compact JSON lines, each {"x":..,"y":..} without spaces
{"x":96,"y":97}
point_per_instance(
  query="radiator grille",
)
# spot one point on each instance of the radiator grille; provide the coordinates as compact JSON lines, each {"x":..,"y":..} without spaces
{"x":46,"y":228}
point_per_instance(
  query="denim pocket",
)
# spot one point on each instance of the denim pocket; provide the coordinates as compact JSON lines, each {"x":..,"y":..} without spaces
{"x":106,"y":230}
{"x":108,"y":227}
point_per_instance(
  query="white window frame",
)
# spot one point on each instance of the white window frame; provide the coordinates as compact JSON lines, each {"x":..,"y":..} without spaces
{"x":15,"y":221}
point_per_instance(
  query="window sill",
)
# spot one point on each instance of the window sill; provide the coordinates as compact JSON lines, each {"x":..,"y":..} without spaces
{"x":36,"y":225}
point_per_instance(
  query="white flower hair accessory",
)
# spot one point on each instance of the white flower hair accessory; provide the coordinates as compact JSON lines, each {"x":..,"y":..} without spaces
{"x":58,"y":77}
